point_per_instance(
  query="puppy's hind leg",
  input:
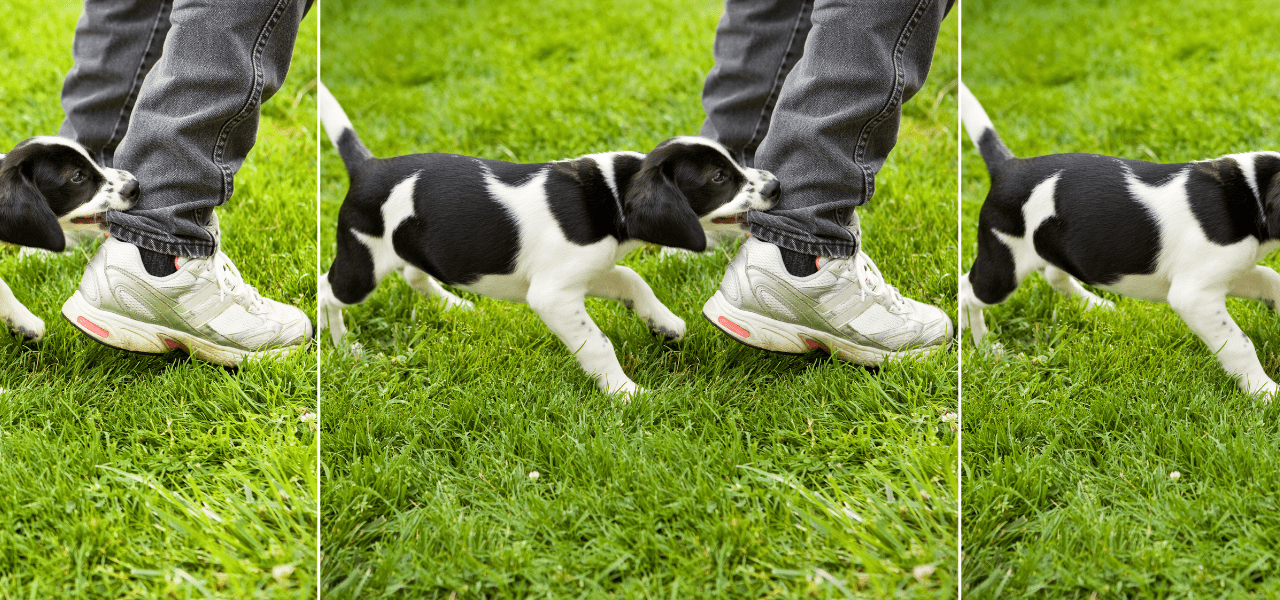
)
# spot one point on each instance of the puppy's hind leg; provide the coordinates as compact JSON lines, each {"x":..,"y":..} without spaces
{"x":1205,"y":311}
{"x":622,"y":284}
{"x":1068,"y":286}
{"x":19,"y":318}
{"x":565,"y":313}
{"x":429,"y":287}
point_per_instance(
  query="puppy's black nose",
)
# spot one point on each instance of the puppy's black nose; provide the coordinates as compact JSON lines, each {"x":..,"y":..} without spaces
{"x":772,"y":190}
{"x":131,"y":191}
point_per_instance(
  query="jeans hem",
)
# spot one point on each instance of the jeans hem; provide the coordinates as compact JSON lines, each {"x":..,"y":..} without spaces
{"x":826,"y":248}
{"x":187,"y":249}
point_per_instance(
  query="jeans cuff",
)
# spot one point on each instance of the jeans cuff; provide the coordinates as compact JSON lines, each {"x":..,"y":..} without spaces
{"x":184,"y":248}
{"x":826,"y":248}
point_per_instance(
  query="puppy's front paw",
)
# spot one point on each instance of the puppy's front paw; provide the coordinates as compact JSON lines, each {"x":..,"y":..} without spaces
{"x":27,"y":325}
{"x":452,"y":301}
{"x":668,"y":326}
{"x":624,"y":390}
{"x":1099,"y":302}
{"x":1266,"y":389}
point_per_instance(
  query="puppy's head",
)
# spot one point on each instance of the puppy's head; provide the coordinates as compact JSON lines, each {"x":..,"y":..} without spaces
{"x":48,"y":184}
{"x":690,"y":184}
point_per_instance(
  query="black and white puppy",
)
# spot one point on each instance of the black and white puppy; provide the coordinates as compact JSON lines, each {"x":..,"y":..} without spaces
{"x":548,"y":234}
{"x":1189,"y":234}
{"x":49,"y":185}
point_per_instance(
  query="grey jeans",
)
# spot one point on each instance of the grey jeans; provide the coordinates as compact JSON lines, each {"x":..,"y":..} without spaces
{"x":812,"y":91}
{"x":170,"y":90}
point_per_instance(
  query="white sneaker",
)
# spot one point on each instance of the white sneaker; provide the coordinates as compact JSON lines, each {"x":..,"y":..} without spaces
{"x":846,"y":309}
{"x":205,"y":309}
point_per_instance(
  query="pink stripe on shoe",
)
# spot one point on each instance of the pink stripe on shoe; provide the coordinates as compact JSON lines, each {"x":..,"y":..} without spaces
{"x":734,"y":327}
{"x":93,"y":327}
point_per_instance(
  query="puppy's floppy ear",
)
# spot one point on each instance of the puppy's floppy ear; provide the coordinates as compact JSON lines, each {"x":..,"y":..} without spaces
{"x":25,"y":216}
{"x":657,"y":211}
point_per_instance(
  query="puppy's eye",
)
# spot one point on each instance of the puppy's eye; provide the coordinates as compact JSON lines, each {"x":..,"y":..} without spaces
{"x":719,"y":177}
{"x":77,"y":177}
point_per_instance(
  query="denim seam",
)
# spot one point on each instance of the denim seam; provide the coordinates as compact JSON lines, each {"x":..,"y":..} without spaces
{"x":782,"y":240}
{"x":255,"y":94}
{"x":770,"y":101}
{"x":126,"y":109}
{"x":868,"y":182}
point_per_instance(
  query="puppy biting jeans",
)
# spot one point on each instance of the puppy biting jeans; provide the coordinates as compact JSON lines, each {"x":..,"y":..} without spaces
{"x":50,"y":186}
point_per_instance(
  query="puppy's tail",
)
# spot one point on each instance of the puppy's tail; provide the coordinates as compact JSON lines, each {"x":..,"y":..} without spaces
{"x":340,"y":131}
{"x":981,"y":131}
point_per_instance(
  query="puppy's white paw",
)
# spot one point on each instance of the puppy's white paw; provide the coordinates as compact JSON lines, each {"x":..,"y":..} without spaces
{"x":28,"y":252}
{"x":452,"y":301}
{"x":26,"y":324}
{"x":1099,"y":302}
{"x":625,"y":390}
{"x":668,"y":252}
{"x":1266,"y":389}
{"x":673,"y":329}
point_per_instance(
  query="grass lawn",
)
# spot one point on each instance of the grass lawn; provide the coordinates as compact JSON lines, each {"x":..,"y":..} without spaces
{"x":1070,"y":439}
{"x":127,"y":476}
{"x":743,"y":475}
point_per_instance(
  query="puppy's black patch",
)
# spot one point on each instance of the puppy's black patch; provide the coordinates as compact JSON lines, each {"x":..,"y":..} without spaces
{"x":451,"y":203}
{"x":581,"y":200}
{"x":456,"y":220}
{"x":1098,"y":232}
{"x":1223,"y":202}
{"x":992,"y":273}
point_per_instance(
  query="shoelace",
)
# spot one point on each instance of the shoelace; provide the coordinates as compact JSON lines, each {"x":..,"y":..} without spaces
{"x":230,"y":281}
{"x":864,"y":268}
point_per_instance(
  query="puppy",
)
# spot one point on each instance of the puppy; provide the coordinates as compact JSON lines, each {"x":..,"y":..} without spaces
{"x":48,"y":186}
{"x":548,"y":234}
{"x":1188,"y":234}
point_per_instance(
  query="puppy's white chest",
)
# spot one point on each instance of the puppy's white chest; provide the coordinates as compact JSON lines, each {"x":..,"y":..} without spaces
{"x":512,"y":288}
{"x":1154,"y":288}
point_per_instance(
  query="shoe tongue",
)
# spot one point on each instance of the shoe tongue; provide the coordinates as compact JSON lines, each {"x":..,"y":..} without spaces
{"x":822,"y":261}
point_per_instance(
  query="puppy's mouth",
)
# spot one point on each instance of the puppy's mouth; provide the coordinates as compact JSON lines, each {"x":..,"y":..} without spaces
{"x":731,"y":220}
{"x":98,"y":219}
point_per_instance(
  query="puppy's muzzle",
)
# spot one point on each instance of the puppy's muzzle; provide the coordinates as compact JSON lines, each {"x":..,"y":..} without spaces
{"x":771,"y":193}
{"x":129,"y":192}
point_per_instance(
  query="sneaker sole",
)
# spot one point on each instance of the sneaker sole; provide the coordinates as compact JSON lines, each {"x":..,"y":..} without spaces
{"x":764,"y":333}
{"x":122,"y":333}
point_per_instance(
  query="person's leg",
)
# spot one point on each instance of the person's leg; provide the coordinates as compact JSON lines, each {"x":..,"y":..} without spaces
{"x":837,"y":118}
{"x":757,"y":44}
{"x":160,"y":282}
{"x":196,"y":118}
{"x":834,"y":123}
{"x":115,"y":46}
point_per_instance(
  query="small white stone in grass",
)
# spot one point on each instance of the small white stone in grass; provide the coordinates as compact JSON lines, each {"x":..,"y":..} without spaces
{"x":922,"y":572}
{"x":1175,"y":475}
{"x":534,"y":475}
{"x":281,"y":572}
